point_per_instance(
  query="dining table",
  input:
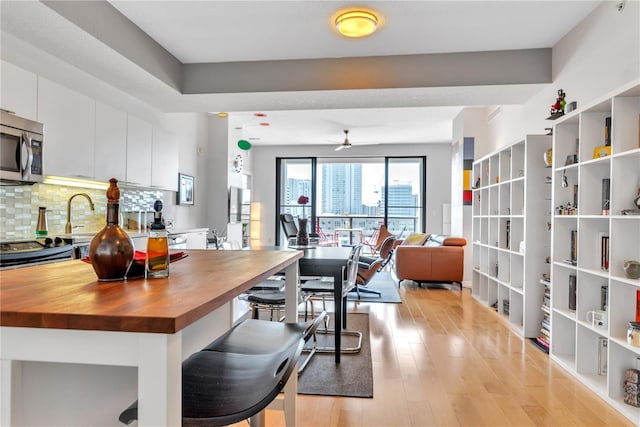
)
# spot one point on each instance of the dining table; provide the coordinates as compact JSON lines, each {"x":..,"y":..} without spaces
{"x":330,"y":261}
{"x":325,"y":261}
{"x":60,"y":313}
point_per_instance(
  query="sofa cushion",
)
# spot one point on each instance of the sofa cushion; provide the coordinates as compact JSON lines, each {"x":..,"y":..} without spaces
{"x":454,"y":241}
{"x":415,"y":239}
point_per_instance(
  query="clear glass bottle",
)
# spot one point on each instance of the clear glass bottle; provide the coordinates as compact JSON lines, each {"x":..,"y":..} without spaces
{"x":157,"y":262}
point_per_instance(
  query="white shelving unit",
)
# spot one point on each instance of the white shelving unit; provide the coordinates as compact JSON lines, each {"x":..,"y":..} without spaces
{"x":575,"y":342}
{"x":511,"y":210}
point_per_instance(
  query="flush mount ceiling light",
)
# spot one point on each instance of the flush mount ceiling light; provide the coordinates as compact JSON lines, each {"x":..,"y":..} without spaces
{"x":356,"y":23}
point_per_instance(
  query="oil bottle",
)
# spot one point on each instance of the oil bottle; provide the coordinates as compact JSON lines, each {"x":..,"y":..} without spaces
{"x":157,"y":262}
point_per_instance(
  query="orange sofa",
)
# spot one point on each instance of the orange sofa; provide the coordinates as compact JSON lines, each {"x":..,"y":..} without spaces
{"x":438,"y":259}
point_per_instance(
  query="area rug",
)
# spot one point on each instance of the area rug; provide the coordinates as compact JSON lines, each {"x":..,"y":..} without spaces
{"x":381,"y":282}
{"x":353,"y":377}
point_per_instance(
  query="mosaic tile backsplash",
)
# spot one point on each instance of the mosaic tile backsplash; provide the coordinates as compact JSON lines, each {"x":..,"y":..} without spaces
{"x":19,"y":208}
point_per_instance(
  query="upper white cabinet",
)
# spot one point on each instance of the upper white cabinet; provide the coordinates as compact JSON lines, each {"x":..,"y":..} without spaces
{"x":69,"y":124}
{"x":86,"y":138}
{"x":164,"y":164}
{"x":111,"y":142}
{"x":139,"y":143}
{"x":19,"y":91}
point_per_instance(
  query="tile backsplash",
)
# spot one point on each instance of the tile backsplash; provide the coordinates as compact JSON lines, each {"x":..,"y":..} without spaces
{"x":19,"y":208}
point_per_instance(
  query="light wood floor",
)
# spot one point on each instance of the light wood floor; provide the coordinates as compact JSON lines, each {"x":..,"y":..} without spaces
{"x":442,"y":359}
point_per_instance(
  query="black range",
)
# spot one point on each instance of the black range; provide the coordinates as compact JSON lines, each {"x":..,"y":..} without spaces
{"x":23,"y":252}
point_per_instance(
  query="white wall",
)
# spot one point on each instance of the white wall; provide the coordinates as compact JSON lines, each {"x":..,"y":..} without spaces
{"x":599,"y":55}
{"x":470,"y":123}
{"x":264,"y":177}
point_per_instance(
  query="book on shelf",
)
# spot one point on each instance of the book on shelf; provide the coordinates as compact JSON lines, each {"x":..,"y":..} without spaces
{"x":604,"y":251}
{"x":604,"y":297}
{"x":572,"y":292}
{"x":543,"y":341}
{"x":603,"y":344}
{"x":606,"y":195}
{"x":574,"y":247}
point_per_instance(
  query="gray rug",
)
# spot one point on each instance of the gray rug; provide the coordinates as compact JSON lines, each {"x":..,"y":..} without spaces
{"x":383,"y":283}
{"x":353,"y":377}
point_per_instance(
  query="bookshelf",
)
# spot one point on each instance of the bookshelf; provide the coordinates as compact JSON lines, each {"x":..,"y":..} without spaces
{"x":602,"y":188}
{"x":511,"y":211}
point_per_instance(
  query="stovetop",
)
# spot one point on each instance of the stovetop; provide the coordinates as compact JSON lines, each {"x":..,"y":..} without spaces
{"x":33,"y":251}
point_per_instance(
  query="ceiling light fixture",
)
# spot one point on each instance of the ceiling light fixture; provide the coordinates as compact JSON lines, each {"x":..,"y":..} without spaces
{"x":356,"y":23}
{"x":223,"y":114}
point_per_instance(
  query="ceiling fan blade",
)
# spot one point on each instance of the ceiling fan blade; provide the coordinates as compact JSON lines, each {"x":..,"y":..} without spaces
{"x":340,"y":147}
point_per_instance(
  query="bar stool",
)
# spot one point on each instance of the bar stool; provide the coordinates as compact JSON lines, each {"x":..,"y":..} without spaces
{"x":236,"y":376}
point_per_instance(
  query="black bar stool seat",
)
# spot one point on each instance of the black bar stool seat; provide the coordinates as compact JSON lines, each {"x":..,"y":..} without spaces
{"x":224,"y":387}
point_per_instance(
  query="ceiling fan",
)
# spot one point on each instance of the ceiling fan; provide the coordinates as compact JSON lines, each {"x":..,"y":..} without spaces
{"x":346,"y":143}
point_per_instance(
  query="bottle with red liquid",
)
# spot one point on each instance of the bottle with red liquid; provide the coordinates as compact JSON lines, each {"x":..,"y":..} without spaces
{"x":157,"y":262}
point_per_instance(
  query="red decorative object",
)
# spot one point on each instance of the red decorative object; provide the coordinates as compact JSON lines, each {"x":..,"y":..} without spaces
{"x":303,"y":200}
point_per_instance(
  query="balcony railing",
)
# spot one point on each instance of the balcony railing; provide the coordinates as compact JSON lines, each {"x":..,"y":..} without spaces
{"x":327,"y":224}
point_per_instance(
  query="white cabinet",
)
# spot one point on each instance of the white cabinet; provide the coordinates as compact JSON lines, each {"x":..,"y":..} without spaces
{"x":69,"y":120}
{"x":139,"y":142}
{"x":164,"y":164}
{"x":111,"y":143}
{"x":19,"y":91}
{"x":510,"y":232}
{"x":197,"y":240}
{"x":591,"y":243}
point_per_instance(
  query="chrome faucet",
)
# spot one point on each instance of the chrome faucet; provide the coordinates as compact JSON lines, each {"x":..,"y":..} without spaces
{"x":68,"y":228}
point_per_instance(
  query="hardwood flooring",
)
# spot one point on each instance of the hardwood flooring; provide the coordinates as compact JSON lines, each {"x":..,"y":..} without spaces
{"x":442,"y":359}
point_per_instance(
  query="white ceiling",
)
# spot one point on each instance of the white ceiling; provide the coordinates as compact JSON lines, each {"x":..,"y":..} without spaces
{"x":231,"y":31}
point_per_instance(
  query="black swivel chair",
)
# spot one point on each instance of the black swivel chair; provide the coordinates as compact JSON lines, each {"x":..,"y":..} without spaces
{"x":288,"y":225}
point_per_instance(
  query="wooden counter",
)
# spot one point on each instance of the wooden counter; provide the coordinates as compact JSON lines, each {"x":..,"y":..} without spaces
{"x":61,"y":313}
{"x":67,"y":295}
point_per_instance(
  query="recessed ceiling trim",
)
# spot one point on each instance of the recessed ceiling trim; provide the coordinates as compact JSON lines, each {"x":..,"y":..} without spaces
{"x":525,"y":66}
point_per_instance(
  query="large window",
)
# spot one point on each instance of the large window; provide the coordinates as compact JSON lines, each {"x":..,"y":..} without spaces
{"x":354,"y":193}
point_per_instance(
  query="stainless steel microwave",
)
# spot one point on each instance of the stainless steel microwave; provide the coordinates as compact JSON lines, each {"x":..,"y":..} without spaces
{"x":21,"y":150}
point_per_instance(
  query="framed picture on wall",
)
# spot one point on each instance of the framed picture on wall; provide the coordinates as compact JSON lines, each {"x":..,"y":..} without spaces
{"x":185,"y":189}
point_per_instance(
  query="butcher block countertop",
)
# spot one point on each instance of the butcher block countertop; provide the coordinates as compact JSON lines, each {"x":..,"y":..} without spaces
{"x":67,"y":295}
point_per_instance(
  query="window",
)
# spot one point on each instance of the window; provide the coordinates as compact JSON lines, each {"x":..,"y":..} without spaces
{"x":356,"y":193}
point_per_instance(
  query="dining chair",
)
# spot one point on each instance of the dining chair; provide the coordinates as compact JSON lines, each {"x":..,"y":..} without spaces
{"x":324,"y":288}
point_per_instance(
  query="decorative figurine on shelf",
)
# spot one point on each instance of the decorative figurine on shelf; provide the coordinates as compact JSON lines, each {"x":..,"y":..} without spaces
{"x":477,"y":185}
{"x":302,"y":239}
{"x":557,"y":109}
